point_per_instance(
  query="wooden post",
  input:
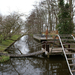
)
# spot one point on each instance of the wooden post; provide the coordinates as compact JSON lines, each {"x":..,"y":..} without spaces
{"x":47,"y":48}
{"x":68,"y":46}
{"x":59,"y":44}
{"x":43,"y":46}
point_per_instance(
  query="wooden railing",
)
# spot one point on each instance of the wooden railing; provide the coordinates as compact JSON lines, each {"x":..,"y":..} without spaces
{"x":65,"y":54}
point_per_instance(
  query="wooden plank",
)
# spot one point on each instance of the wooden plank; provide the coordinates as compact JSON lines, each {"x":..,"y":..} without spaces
{"x":23,"y":55}
{"x":52,"y":41}
{"x":69,"y":48}
{"x":73,"y":70}
{"x":67,"y":39}
{"x":69,"y":53}
{"x":57,"y":49}
{"x":42,"y":38}
{"x":70,"y":58}
{"x":64,"y":40}
{"x":69,"y":44}
{"x":72,"y":64}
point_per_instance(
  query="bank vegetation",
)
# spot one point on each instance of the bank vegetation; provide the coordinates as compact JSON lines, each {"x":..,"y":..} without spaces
{"x":10,"y":30}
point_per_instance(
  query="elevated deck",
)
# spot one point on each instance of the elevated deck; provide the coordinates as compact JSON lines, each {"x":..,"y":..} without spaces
{"x":55,"y":51}
{"x":42,"y":37}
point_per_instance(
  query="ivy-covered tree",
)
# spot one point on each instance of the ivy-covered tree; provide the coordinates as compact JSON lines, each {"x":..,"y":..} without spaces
{"x":65,"y":25}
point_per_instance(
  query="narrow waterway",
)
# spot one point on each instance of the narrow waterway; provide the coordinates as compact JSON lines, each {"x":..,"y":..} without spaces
{"x":39,"y":65}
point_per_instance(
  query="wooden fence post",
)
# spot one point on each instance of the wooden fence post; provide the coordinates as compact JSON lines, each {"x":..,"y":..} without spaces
{"x":68,"y":46}
{"x":43,"y":44}
{"x":47,"y":47}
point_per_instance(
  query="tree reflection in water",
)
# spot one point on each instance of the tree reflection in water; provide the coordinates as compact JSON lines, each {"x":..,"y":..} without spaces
{"x":55,"y":65}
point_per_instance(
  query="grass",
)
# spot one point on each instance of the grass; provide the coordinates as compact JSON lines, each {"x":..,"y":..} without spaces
{"x":4,"y":45}
{"x":4,"y":58}
{"x":15,"y":37}
{"x":2,"y":48}
{"x":7,"y":42}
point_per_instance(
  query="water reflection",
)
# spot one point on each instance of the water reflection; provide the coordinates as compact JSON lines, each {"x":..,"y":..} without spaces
{"x":35,"y":66}
{"x":20,"y":47}
{"x":55,"y":65}
{"x":25,"y":45}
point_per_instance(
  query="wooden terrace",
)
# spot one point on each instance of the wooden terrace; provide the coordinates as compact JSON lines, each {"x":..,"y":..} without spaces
{"x":42,"y":37}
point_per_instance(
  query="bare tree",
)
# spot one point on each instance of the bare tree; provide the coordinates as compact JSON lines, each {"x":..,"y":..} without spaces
{"x":10,"y":25}
{"x":46,"y":13}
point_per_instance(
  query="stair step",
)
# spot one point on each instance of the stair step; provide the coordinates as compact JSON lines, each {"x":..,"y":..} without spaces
{"x":70,"y":58}
{"x":73,"y":70}
{"x":69,"y":44}
{"x":67,"y":39}
{"x":69,"y":48}
{"x":69,"y":53}
{"x":57,"y":49}
{"x":71,"y":64}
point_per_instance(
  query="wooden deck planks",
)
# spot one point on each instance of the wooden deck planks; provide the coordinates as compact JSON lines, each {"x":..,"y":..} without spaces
{"x":42,"y":38}
{"x":71,"y":58}
{"x":69,"y":53}
{"x":56,"y":51}
{"x":72,"y":64}
{"x":73,"y":70}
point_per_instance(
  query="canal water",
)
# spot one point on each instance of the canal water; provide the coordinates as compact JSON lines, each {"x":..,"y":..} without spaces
{"x":38,"y":65}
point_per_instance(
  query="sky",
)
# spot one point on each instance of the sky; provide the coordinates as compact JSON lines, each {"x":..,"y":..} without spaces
{"x":21,"y":6}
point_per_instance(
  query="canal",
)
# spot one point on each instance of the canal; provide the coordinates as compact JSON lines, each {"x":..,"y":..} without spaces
{"x":38,"y":65}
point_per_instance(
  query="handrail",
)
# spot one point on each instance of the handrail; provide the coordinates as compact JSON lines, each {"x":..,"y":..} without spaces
{"x":73,"y":37}
{"x":65,"y":55}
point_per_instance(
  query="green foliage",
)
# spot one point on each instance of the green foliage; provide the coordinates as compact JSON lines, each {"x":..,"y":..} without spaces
{"x":2,"y":48}
{"x":65,"y":25}
{"x":14,"y":37}
{"x":61,"y":3}
{"x":7,"y":42}
{"x":67,"y":5}
{"x":4,"y":44}
{"x":4,"y":58}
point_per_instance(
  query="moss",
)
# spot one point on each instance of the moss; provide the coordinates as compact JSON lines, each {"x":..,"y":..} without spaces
{"x":4,"y":58}
{"x":14,"y":37}
{"x":31,"y":34}
{"x":6,"y":43}
{"x":2,"y":48}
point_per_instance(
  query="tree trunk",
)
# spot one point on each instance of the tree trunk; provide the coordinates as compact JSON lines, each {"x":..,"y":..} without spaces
{"x":49,"y":13}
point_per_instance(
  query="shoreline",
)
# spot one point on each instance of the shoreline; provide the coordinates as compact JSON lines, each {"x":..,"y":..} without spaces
{"x":6,"y":44}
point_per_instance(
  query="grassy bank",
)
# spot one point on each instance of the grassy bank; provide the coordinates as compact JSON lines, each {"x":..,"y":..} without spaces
{"x":6,"y":43}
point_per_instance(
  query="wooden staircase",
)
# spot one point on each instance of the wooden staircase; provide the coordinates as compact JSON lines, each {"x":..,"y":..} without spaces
{"x":68,"y":43}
